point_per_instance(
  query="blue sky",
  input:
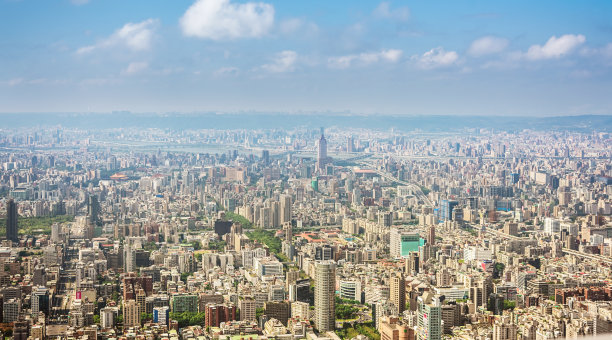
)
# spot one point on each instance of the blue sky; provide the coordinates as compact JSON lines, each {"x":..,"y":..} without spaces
{"x":396,"y":57}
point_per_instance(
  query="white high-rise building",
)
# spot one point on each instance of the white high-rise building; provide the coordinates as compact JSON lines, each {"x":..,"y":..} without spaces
{"x":325,"y":288}
{"x":429,"y":318}
{"x":107,"y":317}
{"x":350,"y":289}
{"x":552,"y":226}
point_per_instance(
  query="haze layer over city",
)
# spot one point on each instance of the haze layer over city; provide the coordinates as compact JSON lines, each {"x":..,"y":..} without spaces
{"x":223,"y":169}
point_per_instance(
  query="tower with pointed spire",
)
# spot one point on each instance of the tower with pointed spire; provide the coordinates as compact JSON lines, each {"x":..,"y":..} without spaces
{"x":322,"y":152}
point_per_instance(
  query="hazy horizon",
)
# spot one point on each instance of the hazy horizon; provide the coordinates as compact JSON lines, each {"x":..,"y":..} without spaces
{"x":275,"y":120}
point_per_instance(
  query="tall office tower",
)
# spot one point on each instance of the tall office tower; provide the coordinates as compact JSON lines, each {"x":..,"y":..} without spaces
{"x":161,"y":315}
{"x":131,"y":317}
{"x":350,"y":145}
{"x":275,"y":214}
{"x":129,"y":256}
{"x":322,"y":152}
{"x":446,"y":210}
{"x":429,"y":318}
{"x":56,"y":230}
{"x":93,"y":210}
{"x":412,"y":263}
{"x":431,"y":235}
{"x":397,"y":292}
{"x":479,"y":293}
{"x":325,"y":304}
{"x":288,"y":228}
{"x":285,"y":208}
{"x":40,"y":300}
{"x":265,"y":156}
{"x":11,"y":221}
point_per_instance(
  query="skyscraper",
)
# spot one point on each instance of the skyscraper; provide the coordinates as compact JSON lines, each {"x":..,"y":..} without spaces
{"x":431,"y":235}
{"x":285,"y":208}
{"x":397,"y":292}
{"x":265,"y":156}
{"x":429,"y":318}
{"x":325,"y":304}
{"x":11,"y":221}
{"x":288,"y":228}
{"x":131,"y":317}
{"x":322,"y":152}
{"x":446,"y":210}
{"x":350,"y":145}
{"x":40,"y":300}
{"x":93,"y":210}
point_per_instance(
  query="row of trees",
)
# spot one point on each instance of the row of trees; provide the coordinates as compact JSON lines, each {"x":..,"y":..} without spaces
{"x":188,"y":319}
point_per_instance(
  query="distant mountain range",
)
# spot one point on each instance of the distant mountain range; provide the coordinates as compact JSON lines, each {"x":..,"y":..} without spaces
{"x":180,"y":121}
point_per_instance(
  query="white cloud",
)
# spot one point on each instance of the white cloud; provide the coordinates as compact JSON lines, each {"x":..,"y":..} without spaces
{"x":22,"y":81}
{"x":436,"y":57}
{"x":555,"y":47}
{"x":283,"y":62}
{"x":607,"y":50}
{"x":100,"y":81}
{"x":134,"y":36}
{"x":604,"y":51}
{"x":226,"y":71}
{"x":581,"y":74}
{"x":135,"y":67}
{"x":297,"y":25}
{"x":220,"y":19}
{"x":487,"y":45}
{"x":390,"y":55}
{"x":15,"y":82}
{"x":384,"y":11}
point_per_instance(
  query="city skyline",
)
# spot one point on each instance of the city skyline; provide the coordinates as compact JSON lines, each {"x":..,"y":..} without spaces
{"x":305,"y":170}
{"x":302,"y":233}
{"x":549,"y":58}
